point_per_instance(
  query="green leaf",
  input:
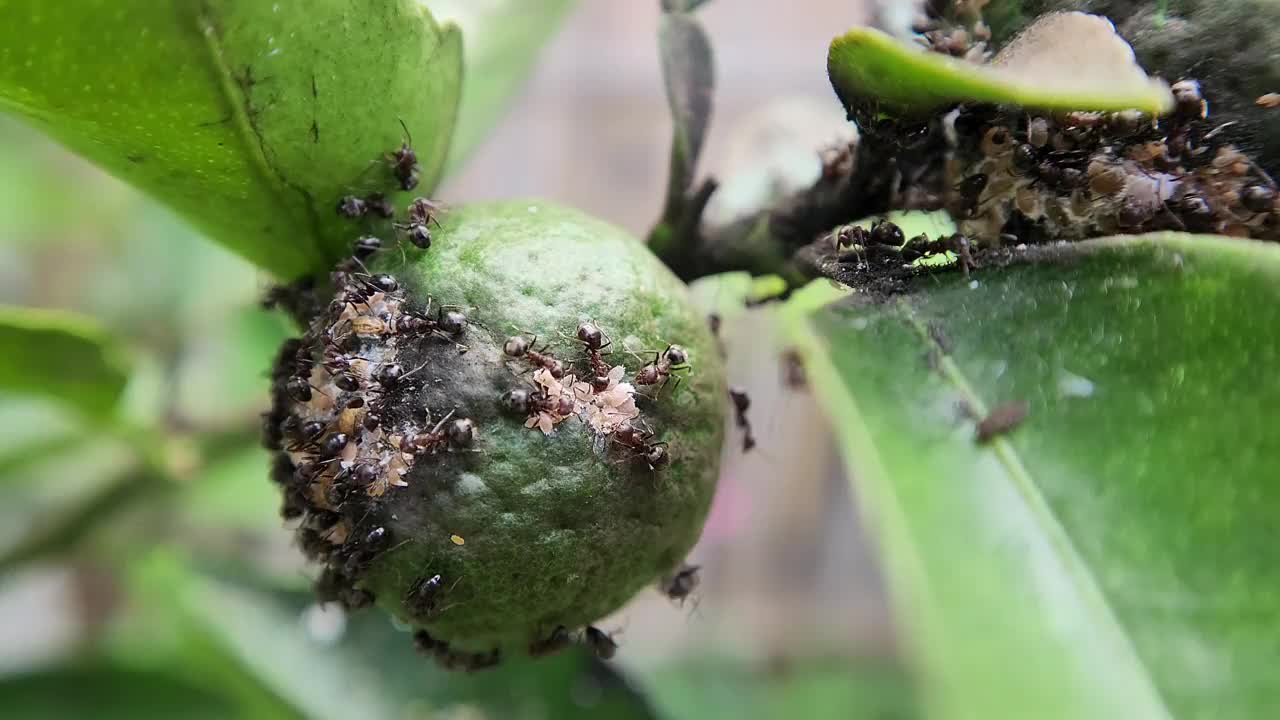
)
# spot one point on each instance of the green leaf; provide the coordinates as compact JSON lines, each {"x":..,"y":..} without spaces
{"x":811,"y":689}
{"x":331,"y":665}
{"x":60,"y":355}
{"x":1064,"y":61}
{"x":1112,"y":556}
{"x":249,"y":118}
{"x":501,"y":43}
{"x":106,"y":691}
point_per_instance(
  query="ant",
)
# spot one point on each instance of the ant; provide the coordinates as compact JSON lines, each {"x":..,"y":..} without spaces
{"x":459,"y":434}
{"x":655,"y":454}
{"x":516,"y":346}
{"x":600,"y":642}
{"x":422,"y":212}
{"x":404,"y":162}
{"x":423,"y":595}
{"x":354,"y":208}
{"x":595,"y":341}
{"x":558,"y":640}
{"x":970,"y":192}
{"x":448,"y":324}
{"x":741,"y":401}
{"x":921,"y":246}
{"x":665,"y":364}
{"x":681,"y":585}
{"x":523,"y":402}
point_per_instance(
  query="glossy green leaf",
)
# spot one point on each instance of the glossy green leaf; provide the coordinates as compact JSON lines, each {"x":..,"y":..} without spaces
{"x":1066,"y":61}
{"x":331,"y":665}
{"x":1114,"y":555}
{"x":60,"y":355}
{"x":501,"y":43}
{"x":105,"y":691}
{"x":813,"y":689}
{"x":250,"y":118}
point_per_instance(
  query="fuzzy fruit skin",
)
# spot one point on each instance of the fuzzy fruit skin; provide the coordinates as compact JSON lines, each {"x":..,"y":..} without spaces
{"x":554,"y":533}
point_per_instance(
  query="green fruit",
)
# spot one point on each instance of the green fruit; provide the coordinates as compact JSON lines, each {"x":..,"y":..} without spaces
{"x":532,"y":534}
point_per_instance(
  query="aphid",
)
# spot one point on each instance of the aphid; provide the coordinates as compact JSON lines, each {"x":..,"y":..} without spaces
{"x":1188,"y":101}
{"x":600,"y":642}
{"x":558,"y":640}
{"x":353,"y":207}
{"x":451,"y":322}
{"x":681,"y":585}
{"x":347,"y":382}
{"x":669,"y":362}
{"x":1038,"y":132}
{"x":1258,"y":198}
{"x":1270,"y":101}
{"x":404,"y":162}
{"x":457,"y":539}
{"x":366,"y":246}
{"x":741,"y":402}
{"x":516,"y":346}
{"x":1001,"y":420}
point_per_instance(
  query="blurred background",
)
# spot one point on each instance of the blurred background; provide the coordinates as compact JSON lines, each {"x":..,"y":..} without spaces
{"x":791,"y":601}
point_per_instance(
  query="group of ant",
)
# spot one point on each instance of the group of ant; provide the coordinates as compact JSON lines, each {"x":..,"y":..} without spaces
{"x":883,"y":243}
{"x":673,"y":362}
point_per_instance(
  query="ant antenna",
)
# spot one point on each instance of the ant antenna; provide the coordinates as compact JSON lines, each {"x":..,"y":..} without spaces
{"x":406,"y":130}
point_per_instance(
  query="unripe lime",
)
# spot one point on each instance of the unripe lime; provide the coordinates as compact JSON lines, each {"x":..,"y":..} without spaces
{"x":476,"y":496}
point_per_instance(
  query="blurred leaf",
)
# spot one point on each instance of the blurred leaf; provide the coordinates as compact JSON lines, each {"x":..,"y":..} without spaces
{"x":810,"y":689}
{"x":689,"y":76}
{"x":235,"y":491}
{"x":329,"y":665}
{"x":501,"y":41}
{"x":1066,"y":61}
{"x":108,"y":691}
{"x":1112,"y":556}
{"x":250,"y":118}
{"x":60,"y":355}
{"x":225,"y":374}
{"x":688,"y":73}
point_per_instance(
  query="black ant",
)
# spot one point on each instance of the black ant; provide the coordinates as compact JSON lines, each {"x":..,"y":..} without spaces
{"x":459,"y":434}
{"x":600,"y":642}
{"x":681,"y":585}
{"x":404,"y":162}
{"x":970,"y":192}
{"x":921,"y":246}
{"x":558,"y":640}
{"x":665,"y":364}
{"x":527,"y":403}
{"x":654,"y":454}
{"x":422,"y":212}
{"x":423,"y":595}
{"x":741,"y":402}
{"x":595,"y":341}
{"x":365,"y":246}
{"x":517,"y":346}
